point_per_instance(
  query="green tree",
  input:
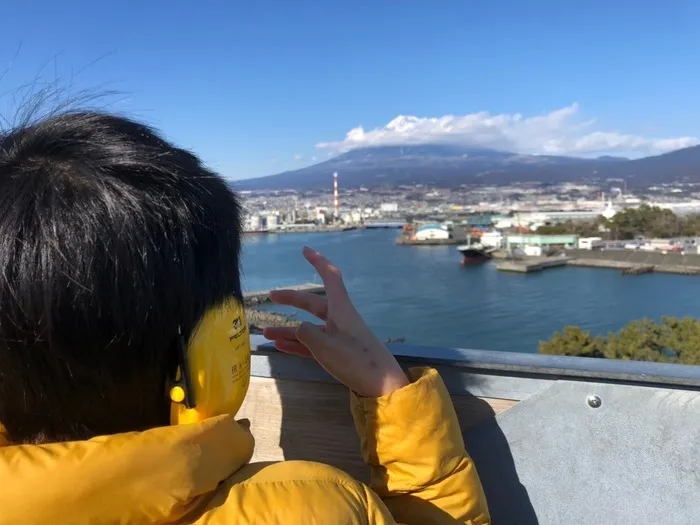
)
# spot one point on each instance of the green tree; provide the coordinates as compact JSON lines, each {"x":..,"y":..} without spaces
{"x":553,"y":229}
{"x":691,"y":225}
{"x":645,"y":221}
{"x":682,"y":337}
{"x":650,"y":221}
{"x":638,"y":341}
{"x":671,"y":341}
{"x":583,"y":228}
{"x":573,"y":340}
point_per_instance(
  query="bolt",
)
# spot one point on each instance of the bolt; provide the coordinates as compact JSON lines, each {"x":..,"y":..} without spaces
{"x":594,"y":401}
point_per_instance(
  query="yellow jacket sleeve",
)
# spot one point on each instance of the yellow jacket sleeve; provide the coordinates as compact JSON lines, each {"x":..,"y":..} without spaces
{"x":419,"y":467}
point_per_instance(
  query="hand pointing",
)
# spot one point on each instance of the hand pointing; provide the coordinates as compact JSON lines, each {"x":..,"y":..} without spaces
{"x":344,"y":346}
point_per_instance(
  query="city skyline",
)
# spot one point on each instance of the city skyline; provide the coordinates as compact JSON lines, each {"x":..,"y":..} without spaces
{"x":260,"y":89}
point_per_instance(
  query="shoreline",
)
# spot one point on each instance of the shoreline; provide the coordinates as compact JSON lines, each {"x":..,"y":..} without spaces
{"x":314,"y":229}
{"x":259,"y":319}
{"x":537,"y":264}
{"x":656,"y":262}
{"x":622,"y":265}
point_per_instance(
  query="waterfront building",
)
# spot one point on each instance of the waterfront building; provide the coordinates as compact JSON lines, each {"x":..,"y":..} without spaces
{"x":590,"y":243}
{"x":252,"y":223}
{"x":432,"y":232}
{"x":480,"y":221}
{"x":272,"y":221}
{"x":544,"y":241}
{"x":389,"y":207}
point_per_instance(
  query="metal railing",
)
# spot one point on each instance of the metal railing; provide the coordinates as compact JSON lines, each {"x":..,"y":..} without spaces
{"x":585,"y":440}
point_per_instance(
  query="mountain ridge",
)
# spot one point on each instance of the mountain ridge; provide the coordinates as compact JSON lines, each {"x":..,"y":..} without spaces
{"x":449,"y":165}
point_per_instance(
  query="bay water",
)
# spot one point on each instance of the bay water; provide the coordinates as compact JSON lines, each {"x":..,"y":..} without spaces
{"x":426,"y":296}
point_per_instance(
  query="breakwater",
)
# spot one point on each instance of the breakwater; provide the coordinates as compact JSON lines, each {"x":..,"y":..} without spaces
{"x":263,"y":296}
{"x":259,"y":319}
{"x":626,"y":260}
{"x":531,"y":264}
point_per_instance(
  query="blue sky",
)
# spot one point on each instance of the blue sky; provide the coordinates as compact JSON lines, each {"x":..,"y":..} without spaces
{"x":255,"y":87}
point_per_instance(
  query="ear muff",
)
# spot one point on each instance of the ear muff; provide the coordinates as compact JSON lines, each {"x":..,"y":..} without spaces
{"x":214,"y":373}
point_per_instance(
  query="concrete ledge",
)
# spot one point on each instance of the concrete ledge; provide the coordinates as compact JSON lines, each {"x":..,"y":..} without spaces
{"x":531,"y":264}
{"x":551,"y":458}
{"x":534,"y":365}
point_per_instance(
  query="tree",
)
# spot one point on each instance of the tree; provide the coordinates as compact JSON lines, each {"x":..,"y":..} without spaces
{"x":638,"y":341}
{"x":573,"y":340}
{"x":583,"y":228}
{"x":554,"y":229}
{"x":648,"y":221}
{"x":683,"y":336}
{"x":645,"y":221}
{"x":671,"y":341}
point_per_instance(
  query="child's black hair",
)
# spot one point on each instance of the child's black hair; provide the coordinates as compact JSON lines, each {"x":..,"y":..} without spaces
{"x":111,"y":240}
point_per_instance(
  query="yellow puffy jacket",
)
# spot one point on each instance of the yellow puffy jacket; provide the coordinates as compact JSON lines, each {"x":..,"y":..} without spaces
{"x":199,"y":473}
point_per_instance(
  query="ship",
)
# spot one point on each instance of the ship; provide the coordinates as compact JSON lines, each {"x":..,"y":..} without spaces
{"x":475,"y":252}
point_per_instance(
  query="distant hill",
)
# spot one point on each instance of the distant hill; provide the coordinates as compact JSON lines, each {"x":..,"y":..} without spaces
{"x":449,"y":166}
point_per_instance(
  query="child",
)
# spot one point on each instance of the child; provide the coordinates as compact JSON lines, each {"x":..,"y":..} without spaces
{"x":113,"y":244}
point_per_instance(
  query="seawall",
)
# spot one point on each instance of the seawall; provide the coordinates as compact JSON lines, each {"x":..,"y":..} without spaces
{"x":684,"y":264}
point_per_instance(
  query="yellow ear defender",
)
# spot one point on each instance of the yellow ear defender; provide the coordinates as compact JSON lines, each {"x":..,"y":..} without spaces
{"x":214,"y":371}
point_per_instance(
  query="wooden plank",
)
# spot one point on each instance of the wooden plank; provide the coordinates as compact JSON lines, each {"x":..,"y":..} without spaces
{"x":311,"y":421}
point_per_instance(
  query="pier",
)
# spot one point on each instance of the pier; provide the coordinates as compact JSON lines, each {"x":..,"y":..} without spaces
{"x":394,"y":225}
{"x":263,"y":296}
{"x":636,"y":262}
{"x":603,"y":263}
{"x":531,"y":264}
{"x":626,"y":267}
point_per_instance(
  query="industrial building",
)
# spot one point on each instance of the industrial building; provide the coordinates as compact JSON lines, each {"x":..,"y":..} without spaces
{"x":542,"y":241}
{"x":431,"y":232}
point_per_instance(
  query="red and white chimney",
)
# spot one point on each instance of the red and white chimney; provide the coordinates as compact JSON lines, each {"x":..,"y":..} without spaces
{"x":336,"y":206}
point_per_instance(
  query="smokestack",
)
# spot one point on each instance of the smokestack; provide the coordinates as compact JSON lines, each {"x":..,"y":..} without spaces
{"x":335,"y":195}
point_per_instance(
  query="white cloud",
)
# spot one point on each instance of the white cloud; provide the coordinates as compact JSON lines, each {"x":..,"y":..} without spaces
{"x":559,"y":132}
{"x":313,"y":159}
{"x":298,"y":157}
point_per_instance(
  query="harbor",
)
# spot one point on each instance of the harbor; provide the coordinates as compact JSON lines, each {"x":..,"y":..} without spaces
{"x":533,"y":252}
{"x":428,"y":297}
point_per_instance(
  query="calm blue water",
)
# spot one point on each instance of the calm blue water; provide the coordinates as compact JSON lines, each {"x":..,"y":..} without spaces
{"x":426,"y":296}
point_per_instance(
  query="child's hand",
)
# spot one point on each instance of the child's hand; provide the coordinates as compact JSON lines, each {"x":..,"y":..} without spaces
{"x":344,"y":346}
